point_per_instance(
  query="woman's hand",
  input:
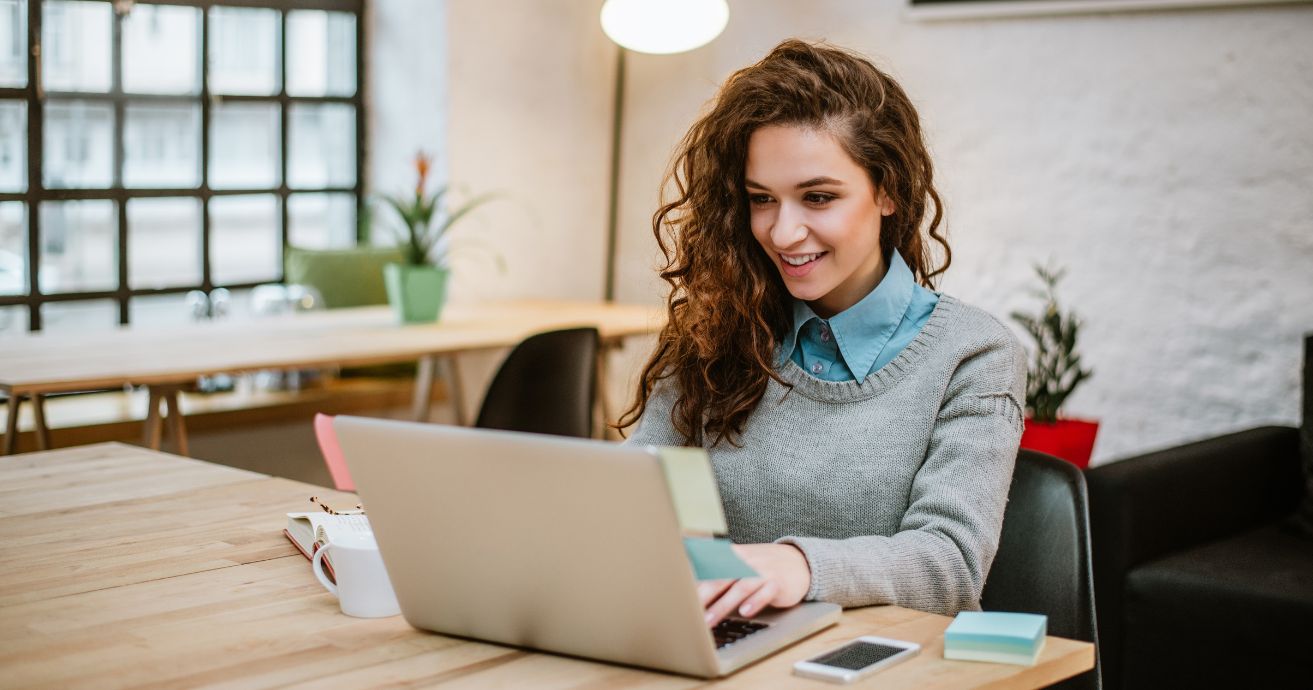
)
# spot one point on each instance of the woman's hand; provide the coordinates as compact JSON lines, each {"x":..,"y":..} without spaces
{"x":783,"y":579}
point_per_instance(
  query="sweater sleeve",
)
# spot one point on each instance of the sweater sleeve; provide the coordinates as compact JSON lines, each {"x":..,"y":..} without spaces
{"x":656,"y":427}
{"x":947,"y":539}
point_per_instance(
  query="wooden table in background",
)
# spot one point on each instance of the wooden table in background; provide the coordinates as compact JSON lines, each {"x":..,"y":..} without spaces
{"x":167,"y":359}
{"x":129,"y":567}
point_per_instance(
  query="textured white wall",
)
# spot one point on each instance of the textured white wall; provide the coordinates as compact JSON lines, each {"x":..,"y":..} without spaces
{"x":1166,"y":159}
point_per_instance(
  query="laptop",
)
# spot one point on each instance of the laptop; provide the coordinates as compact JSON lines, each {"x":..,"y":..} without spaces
{"x":562,"y":545}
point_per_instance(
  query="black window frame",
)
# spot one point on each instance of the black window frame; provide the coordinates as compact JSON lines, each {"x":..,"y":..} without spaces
{"x":36,"y":98}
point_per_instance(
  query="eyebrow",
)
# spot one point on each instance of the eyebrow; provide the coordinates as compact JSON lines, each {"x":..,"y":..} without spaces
{"x":813,"y":182}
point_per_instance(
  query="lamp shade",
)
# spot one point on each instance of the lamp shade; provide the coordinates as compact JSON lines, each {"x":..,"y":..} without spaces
{"x":664,"y":26}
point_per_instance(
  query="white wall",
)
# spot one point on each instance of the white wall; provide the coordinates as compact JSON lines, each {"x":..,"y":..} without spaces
{"x":530,"y":119}
{"x":517,"y":98}
{"x":406,"y":92}
{"x":1164,"y":158}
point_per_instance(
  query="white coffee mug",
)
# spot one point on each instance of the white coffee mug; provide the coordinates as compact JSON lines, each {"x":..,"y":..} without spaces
{"x":362,"y":588}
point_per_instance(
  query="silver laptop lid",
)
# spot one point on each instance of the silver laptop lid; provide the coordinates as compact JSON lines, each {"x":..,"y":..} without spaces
{"x":564,"y":545}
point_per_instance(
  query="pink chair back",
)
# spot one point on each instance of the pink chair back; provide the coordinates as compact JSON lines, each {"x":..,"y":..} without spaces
{"x":332,"y":453}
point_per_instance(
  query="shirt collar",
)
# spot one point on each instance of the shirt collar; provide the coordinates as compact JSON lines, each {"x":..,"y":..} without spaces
{"x":863,"y":330}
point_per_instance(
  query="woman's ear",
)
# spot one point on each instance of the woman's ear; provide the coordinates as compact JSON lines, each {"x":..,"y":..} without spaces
{"x":885,"y":203}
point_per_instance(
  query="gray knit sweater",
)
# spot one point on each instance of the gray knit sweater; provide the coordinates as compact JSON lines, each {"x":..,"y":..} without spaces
{"x":893,"y":487}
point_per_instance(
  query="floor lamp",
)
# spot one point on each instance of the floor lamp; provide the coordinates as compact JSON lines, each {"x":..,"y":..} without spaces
{"x":659,"y":27}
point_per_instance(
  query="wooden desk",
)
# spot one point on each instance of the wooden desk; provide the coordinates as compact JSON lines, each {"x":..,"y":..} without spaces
{"x":129,"y":567}
{"x":166,"y":359}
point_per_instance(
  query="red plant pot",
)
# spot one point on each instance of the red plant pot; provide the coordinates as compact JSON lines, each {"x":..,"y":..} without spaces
{"x":1069,"y":439}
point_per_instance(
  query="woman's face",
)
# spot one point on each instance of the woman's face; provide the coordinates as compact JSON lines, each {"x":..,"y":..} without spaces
{"x":816,"y":214}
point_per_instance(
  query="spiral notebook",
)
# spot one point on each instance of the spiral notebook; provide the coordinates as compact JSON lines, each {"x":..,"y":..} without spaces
{"x":309,"y":531}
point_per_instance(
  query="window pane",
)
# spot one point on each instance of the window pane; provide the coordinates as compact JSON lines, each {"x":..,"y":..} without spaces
{"x":322,"y":139}
{"x":164,"y":243}
{"x":13,"y":46}
{"x":244,"y":146}
{"x":80,"y":316}
{"x":13,"y":146}
{"x":13,"y":248}
{"x":245,"y":244}
{"x":244,"y":51}
{"x":79,"y":145}
{"x":321,"y":53}
{"x":79,"y":246}
{"x":162,"y":146}
{"x":161,"y":49}
{"x":321,"y":221}
{"x":13,"y":320}
{"x":75,"y":41}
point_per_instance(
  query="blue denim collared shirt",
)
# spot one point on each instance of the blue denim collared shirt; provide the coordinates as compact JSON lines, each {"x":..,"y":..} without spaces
{"x":866,"y":336}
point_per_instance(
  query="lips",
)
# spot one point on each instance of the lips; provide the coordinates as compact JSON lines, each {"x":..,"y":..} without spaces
{"x":799,"y":265}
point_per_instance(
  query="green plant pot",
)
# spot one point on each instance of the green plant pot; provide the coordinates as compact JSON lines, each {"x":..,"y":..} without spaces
{"x":416,"y":293}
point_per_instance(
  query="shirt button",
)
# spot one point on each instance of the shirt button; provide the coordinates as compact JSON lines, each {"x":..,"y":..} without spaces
{"x":817,"y":368}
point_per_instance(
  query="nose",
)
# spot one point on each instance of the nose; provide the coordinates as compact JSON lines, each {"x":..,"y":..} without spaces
{"x":790,"y":227}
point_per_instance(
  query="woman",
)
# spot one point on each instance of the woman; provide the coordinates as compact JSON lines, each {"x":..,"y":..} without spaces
{"x":862,"y":428}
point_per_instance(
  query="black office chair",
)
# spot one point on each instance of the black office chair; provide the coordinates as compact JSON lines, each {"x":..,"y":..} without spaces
{"x":1043,"y":563}
{"x":546,"y":385}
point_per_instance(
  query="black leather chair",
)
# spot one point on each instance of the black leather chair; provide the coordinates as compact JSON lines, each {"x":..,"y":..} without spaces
{"x":546,"y":385}
{"x":1200,"y":581}
{"x":1043,"y":562}
{"x":1203,"y":566}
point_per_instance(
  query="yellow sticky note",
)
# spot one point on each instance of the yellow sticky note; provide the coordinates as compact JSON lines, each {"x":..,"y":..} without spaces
{"x":693,"y":489}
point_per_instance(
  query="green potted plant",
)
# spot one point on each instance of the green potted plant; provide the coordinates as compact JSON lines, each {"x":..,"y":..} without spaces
{"x":1055,"y":372}
{"x":417,"y":286}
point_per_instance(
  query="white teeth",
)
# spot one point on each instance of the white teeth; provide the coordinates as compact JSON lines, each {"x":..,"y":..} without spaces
{"x":800,"y":259}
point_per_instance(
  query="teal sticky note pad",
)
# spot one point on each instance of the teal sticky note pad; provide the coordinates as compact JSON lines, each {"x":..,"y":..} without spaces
{"x":714,"y":559}
{"x":997,"y":628}
{"x":693,"y":490}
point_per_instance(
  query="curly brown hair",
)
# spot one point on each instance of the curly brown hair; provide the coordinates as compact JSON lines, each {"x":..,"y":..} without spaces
{"x":728,"y":308}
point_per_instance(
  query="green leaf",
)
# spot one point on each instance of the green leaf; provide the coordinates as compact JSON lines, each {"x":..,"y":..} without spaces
{"x":464,"y":210}
{"x":1055,"y":369}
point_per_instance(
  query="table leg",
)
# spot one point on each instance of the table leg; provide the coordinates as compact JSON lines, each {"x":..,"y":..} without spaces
{"x":39,"y":416}
{"x":602,"y":399}
{"x":423,"y":388}
{"x":599,"y":393}
{"x":455,"y":390}
{"x":153,"y":428}
{"x":176,"y":426}
{"x":11,"y":424}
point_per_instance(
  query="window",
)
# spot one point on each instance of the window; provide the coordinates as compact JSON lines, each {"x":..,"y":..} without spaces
{"x":179,"y":145}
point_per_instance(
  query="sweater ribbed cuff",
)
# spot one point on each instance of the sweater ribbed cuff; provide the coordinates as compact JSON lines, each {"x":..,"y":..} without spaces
{"x":826,"y":567}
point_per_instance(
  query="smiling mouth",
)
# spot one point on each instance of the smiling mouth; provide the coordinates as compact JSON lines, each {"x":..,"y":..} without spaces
{"x":800,"y":259}
{"x":799,"y":265}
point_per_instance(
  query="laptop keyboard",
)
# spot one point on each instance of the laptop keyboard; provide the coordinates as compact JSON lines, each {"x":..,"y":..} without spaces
{"x":732,"y":630}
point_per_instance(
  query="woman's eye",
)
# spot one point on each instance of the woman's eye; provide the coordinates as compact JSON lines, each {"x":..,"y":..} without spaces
{"x":757,"y":199}
{"x":818,"y":198}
